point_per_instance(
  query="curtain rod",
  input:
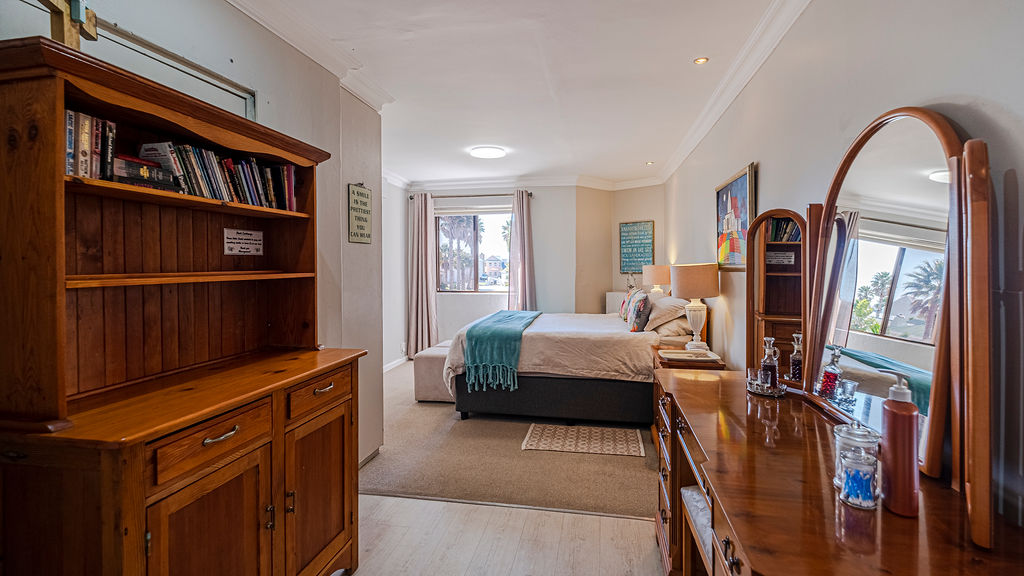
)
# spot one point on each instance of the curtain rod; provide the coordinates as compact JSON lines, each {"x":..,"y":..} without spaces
{"x":530,"y":194}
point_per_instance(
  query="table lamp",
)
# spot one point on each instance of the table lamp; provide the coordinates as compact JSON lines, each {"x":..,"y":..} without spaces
{"x":655,"y":276}
{"x":695,"y":281}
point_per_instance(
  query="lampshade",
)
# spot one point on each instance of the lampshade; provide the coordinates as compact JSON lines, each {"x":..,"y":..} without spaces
{"x":657,"y":275}
{"x":695,"y":280}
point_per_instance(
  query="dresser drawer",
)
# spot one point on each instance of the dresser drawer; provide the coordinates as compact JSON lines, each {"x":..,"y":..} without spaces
{"x":727,"y":547}
{"x":319,"y":393}
{"x":203,"y":445}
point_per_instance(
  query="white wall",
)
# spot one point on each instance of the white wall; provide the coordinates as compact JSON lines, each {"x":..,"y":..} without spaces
{"x":593,"y":249}
{"x":455,"y":310}
{"x":841,"y":65}
{"x":647,"y":203}
{"x":395,"y":271}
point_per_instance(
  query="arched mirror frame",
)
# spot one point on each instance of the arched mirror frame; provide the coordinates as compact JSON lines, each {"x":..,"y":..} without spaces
{"x":960,"y":386}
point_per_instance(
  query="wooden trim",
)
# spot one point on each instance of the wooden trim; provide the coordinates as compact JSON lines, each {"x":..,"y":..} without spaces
{"x":38,"y":51}
{"x":76,"y":281}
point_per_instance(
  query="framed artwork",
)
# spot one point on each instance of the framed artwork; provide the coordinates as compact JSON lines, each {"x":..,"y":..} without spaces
{"x":735,"y":208}
{"x":636,"y":246}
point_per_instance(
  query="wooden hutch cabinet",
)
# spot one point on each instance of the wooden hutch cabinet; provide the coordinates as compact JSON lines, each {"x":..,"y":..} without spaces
{"x":164,"y":406}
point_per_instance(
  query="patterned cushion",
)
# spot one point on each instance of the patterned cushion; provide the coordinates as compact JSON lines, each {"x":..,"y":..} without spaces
{"x":639,"y":311}
{"x":627,"y":301}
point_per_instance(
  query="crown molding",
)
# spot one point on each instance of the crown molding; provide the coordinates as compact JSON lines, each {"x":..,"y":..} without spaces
{"x":274,"y":17}
{"x":491,"y":183}
{"x":773,"y":26}
{"x":395,"y":179}
{"x":638,"y":183}
{"x":366,"y":90}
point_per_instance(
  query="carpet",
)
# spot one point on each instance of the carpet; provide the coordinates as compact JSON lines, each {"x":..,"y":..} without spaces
{"x":429,"y":452}
{"x":584,"y":439}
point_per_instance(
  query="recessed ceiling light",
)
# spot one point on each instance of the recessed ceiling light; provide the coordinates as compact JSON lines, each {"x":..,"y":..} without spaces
{"x":487,"y":152}
{"x":939,"y":176}
{"x":701,"y":60}
{"x":649,"y":163}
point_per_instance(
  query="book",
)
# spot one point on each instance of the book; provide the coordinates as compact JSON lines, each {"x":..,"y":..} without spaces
{"x":144,"y":183}
{"x":69,"y":145}
{"x":270,"y":186}
{"x":124,"y":168}
{"x":289,"y":181}
{"x":83,"y":144}
{"x":107,"y":151}
{"x":163,"y":153}
{"x":97,"y":148}
{"x":197,"y":167}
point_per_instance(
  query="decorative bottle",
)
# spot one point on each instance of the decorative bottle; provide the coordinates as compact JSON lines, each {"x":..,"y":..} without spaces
{"x":796,"y":359}
{"x":900,"y":479}
{"x":770,"y":364}
{"x":830,"y":375}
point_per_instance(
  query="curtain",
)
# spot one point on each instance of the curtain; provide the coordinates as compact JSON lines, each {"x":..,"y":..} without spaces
{"x":422,"y":308}
{"x":522,"y":290}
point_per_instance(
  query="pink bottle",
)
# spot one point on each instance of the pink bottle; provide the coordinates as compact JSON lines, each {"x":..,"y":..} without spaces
{"x":901,"y":480}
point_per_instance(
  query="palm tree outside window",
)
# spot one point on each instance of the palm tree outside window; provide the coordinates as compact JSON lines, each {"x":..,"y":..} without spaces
{"x":899,"y":291}
{"x":473,"y":252}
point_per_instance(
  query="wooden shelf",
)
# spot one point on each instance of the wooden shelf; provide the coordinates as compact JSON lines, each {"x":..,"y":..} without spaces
{"x":777,"y":317}
{"x":782,"y":274}
{"x":797,"y":243}
{"x":139,"y":194}
{"x":108,"y":280}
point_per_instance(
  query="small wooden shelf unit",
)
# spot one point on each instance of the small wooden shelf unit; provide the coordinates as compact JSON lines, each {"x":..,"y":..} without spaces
{"x":164,"y":407}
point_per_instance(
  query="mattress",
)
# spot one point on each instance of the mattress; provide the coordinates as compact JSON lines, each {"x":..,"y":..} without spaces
{"x":573,"y":345}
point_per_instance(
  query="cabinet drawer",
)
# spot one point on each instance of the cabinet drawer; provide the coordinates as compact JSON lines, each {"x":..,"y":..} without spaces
{"x":727,"y":547}
{"x":202,"y":445}
{"x":319,"y":393}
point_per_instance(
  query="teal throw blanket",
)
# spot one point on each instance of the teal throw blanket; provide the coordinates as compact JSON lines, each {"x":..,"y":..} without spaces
{"x":919,"y":381}
{"x":492,"y":349}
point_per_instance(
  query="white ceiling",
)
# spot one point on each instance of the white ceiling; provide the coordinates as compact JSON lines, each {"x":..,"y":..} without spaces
{"x":577,"y":90}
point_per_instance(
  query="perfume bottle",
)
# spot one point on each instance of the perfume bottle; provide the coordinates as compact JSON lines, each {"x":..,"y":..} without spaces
{"x":770,"y":364}
{"x":796,"y":359}
{"x":830,"y":375}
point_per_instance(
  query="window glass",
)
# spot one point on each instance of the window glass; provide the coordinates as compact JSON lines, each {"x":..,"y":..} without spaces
{"x":493,"y":231}
{"x":472,"y":252}
{"x":875,"y":265}
{"x":918,"y":296}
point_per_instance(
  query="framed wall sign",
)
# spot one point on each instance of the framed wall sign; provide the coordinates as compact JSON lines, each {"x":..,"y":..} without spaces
{"x":735,"y":208}
{"x":636,"y":246}
{"x":360,"y":214}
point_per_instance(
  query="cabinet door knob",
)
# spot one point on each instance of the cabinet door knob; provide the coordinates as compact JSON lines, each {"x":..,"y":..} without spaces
{"x":664,"y":475}
{"x":664,"y":517}
{"x":726,"y":544}
{"x":222,"y":437}
{"x":680,"y":424}
{"x":663,"y":432}
{"x":734,"y":564}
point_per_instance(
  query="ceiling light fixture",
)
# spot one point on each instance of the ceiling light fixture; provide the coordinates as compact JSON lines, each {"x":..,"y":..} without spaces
{"x":701,"y":60}
{"x":487,"y":152}
{"x":941,"y":176}
{"x":649,"y":163}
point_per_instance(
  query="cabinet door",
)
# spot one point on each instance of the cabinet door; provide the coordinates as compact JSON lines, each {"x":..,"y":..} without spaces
{"x":220,"y":524}
{"x":318,"y":490}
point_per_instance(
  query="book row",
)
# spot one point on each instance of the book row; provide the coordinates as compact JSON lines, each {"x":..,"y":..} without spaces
{"x":783,"y":230}
{"x":92,"y":153}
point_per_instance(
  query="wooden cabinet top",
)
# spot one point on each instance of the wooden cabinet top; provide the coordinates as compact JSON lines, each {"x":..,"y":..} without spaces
{"x":770,"y":463}
{"x":182,"y":399}
{"x":24,"y":57}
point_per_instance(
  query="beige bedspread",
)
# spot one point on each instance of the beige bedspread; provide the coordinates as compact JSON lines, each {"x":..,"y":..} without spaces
{"x":573,"y":345}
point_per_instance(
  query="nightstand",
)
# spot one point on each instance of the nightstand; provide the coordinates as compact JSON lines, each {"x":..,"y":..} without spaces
{"x":660,"y":362}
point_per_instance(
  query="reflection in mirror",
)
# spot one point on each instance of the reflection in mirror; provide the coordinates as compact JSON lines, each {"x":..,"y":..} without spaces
{"x":885,"y":272}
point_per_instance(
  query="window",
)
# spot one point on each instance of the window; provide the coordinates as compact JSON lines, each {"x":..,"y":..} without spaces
{"x":472,"y":252}
{"x":899,"y":291}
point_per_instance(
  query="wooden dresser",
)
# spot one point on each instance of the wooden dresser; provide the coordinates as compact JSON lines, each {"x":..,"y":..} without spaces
{"x":746,"y":488}
{"x":164,"y":406}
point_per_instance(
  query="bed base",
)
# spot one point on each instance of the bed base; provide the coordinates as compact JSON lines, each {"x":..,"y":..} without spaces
{"x":562,"y":398}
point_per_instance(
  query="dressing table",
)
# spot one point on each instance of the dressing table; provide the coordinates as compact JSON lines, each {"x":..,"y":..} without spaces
{"x":762,"y":468}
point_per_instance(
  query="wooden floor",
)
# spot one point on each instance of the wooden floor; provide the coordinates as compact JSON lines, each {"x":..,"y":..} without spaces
{"x":408,"y":536}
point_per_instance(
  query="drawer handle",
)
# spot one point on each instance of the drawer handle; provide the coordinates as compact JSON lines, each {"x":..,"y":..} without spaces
{"x":664,"y":475}
{"x":271,"y":524}
{"x":726,"y":544}
{"x":221,"y":438}
{"x":328,"y":388}
{"x":680,"y":424}
{"x":665,"y":401}
{"x":664,"y":517}
{"x":290,"y":509}
{"x":734,"y":564}
{"x":663,"y":432}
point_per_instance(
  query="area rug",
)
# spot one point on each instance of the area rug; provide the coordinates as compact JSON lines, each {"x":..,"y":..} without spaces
{"x":429,"y":452}
{"x":584,"y":439}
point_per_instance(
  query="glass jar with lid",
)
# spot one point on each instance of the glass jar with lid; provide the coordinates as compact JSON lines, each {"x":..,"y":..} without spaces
{"x":851,"y":437}
{"x":860,"y":479}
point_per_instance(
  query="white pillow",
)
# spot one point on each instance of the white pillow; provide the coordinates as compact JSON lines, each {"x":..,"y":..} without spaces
{"x":665,"y":309}
{"x":676,"y":327}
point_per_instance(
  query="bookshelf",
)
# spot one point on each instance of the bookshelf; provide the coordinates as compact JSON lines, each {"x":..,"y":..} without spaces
{"x":161,"y":378}
{"x":776,"y":290}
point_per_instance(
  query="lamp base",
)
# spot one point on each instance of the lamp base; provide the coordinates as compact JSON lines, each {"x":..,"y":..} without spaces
{"x":692,"y":345}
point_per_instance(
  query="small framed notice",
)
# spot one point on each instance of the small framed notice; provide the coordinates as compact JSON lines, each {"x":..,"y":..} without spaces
{"x":360,"y":214}
{"x":243,"y":242}
{"x":784,"y":258}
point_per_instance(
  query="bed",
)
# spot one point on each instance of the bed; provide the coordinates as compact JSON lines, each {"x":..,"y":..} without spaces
{"x":571,"y":366}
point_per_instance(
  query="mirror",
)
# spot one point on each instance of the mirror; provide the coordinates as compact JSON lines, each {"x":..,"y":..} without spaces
{"x":884,"y":269}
